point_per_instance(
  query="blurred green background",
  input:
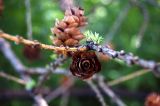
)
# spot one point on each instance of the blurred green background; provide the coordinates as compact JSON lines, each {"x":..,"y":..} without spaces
{"x":122,"y":23}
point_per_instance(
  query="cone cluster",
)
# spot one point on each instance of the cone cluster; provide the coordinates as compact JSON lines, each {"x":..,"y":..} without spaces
{"x":67,"y":31}
{"x":153,"y":100}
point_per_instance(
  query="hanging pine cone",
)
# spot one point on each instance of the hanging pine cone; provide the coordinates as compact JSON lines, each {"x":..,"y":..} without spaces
{"x":67,"y":30}
{"x":31,"y":52}
{"x":85,"y":64}
{"x":153,"y":100}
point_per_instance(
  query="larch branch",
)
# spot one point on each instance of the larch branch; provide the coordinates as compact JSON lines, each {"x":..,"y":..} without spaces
{"x":129,"y":58}
{"x":21,"y":40}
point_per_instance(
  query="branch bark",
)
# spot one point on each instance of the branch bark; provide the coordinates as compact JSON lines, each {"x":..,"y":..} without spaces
{"x":130,"y":59}
{"x":21,"y":40}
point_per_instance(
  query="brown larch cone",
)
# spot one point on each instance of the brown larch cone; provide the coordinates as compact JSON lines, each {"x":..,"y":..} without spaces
{"x":153,"y":100}
{"x":71,"y":42}
{"x":31,"y":52}
{"x":67,"y":31}
{"x":57,"y":42}
{"x":84,"y":64}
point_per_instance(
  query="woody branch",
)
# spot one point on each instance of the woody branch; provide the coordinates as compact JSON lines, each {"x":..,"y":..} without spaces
{"x":21,"y":40}
{"x":130,"y":59}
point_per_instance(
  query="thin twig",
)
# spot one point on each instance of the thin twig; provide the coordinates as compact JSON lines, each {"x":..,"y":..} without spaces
{"x":53,"y":94}
{"x":17,"y":65}
{"x":21,"y":40}
{"x":51,"y":69}
{"x":65,"y":99}
{"x":40,"y":101}
{"x":98,"y":94}
{"x":129,"y":58}
{"x":127,"y":77}
{"x":66,"y":4}
{"x":12,"y":78}
{"x":60,"y":90}
{"x":43,"y":70}
{"x":76,"y":92}
{"x":144,"y":25}
{"x":118,"y":22}
{"x":15,"y":62}
{"x":28,"y":19}
{"x":109,"y":92}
